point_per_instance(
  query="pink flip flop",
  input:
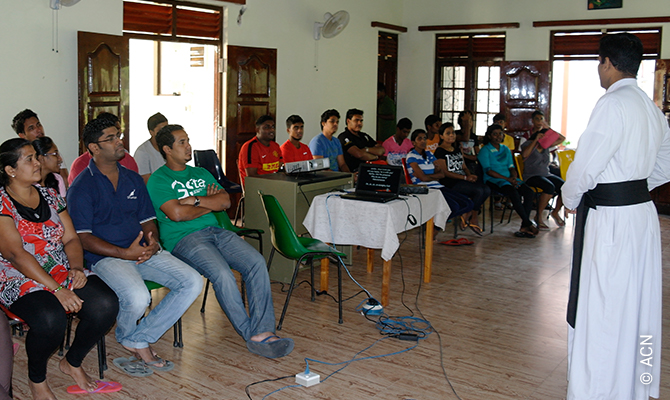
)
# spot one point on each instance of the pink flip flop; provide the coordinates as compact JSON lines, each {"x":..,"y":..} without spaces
{"x":16,"y":348}
{"x":103,"y":387}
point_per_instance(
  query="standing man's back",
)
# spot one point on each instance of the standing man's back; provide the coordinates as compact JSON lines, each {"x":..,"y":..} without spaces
{"x":614,"y":310}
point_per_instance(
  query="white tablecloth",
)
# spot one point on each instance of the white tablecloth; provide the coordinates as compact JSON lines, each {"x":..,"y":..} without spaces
{"x":369,"y":224}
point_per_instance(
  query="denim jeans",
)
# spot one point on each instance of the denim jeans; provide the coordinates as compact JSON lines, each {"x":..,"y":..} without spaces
{"x":127,"y":280}
{"x":213,"y":252}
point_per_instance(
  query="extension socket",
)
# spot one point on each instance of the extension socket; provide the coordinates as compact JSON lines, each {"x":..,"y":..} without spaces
{"x":307,"y":166}
{"x":307,"y":380}
{"x":372,"y":308}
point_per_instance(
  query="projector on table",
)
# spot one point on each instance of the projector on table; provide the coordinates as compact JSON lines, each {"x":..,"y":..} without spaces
{"x":307,"y":166}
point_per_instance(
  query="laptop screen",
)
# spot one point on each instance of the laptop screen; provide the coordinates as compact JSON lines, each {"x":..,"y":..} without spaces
{"x":379,"y":178}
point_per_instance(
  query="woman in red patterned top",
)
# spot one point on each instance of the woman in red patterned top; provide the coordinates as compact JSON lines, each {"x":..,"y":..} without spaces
{"x":42,"y":273}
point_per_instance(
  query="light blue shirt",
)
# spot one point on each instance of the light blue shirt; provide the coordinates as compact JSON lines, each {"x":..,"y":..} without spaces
{"x":321,"y":146}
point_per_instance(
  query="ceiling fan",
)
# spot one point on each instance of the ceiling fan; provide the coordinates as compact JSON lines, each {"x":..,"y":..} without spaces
{"x":57,"y":4}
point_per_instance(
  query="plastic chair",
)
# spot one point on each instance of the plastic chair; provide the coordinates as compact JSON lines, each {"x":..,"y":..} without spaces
{"x":290,"y":245}
{"x":565,"y":158}
{"x":17,"y":323}
{"x":178,"y":339}
{"x":224,"y":223}
{"x":408,"y":179}
{"x":208,"y":160}
{"x":518,"y":163}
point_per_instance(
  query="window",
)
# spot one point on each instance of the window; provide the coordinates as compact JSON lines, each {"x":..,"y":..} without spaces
{"x":468,"y":69}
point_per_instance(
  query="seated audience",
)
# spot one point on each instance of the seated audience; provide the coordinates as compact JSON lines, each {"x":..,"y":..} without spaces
{"x":190,"y":230}
{"x":6,"y":359}
{"x":293,"y":149}
{"x":324,"y":145}
{"x":458,"y":178}
{"x":27,"y":125}
{"x":397,"y":146}
{"x":81,"y":162}
{"x":467,"y":141}
{"x":423,"y":171}
{"x":500,"y":119}
{"x":536,"y":174}
{"x":50,"y":162}
{"x":501,"y":176}
{"x":112,"y":213}
{"x":432,"y":123}
{"x":260,"y":155}
{"x":42,"y":271}
{"x":358,"y":147}
{"x":147,"y":157}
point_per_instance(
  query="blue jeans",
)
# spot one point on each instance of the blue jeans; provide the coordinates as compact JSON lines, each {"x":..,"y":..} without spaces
{"x":127,"y":280}
{"x":213,"y":252}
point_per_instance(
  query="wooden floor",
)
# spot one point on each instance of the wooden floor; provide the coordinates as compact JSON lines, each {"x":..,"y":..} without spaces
{"x":498,"y":305}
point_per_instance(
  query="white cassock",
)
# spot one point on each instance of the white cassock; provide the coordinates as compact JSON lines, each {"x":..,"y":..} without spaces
{"x":614,"y":351}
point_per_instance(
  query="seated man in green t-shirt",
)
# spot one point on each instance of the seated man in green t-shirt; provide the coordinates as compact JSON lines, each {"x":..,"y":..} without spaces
{"x":185,"y":198}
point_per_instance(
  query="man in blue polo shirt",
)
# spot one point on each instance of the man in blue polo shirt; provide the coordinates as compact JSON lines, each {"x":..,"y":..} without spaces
{"x":112,"y":213}
{"x":324,"y":145}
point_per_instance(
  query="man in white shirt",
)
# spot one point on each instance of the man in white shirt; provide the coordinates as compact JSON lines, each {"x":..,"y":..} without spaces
{"x":147,"y":156}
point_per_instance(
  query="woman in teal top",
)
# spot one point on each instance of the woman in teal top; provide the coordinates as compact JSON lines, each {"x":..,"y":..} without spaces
{"x":500,"y":174}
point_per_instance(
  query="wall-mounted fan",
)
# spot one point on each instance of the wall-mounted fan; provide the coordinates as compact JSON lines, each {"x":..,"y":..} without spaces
{"x":335,"y":23}
{"x":57,"y":4}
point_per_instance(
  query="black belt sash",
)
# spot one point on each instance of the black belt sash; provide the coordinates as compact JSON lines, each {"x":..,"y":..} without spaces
{"x":604,"y":194}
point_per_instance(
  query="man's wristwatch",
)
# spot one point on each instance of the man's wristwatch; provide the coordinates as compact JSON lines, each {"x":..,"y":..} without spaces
{"x":196,"y":202}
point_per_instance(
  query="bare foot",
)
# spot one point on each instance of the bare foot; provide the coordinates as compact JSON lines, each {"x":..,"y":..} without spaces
{"x":41,"y":391}
{"x":262,"y":336}
{"x":146,"y":354}
{"x":79,"y":375}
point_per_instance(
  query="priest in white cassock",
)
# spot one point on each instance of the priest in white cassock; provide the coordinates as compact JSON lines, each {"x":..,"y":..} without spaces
{"x":614,"y":310}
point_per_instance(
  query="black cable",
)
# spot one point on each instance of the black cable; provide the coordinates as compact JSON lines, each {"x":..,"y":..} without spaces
{"x":246,"y":389}
{"x":318,"y":292}
{"x":305,"y":196}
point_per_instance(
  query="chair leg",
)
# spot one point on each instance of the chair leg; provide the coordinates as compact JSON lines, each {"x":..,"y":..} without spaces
{"x":260,"y":243}
{"x":178,"y":342}
{"x":204,"y":297}
{"x":339,"y":290}
{"x":243,"y":289}
{"x":101,"y":357}
{"x":66,"y":341}
{"x":491,"y":207}
{"x":311,"y":273}
{"x":456,"y":226}
{"x":272,"y":253}
{"x":288,"y":295}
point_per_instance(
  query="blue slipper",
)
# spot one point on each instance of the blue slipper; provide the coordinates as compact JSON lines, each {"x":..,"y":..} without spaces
{"x":134,"y":367}
{"x":167,"y":365}
{"x":278,"y":348}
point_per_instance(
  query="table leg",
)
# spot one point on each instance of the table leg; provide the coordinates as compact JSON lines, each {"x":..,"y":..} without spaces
{"x":428,"y":259}
{"x":371,"y":258}
{"x":325,"y":265}
{"x":386,"y":280}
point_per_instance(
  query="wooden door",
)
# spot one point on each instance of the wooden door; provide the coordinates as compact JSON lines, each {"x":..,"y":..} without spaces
{"x":251,"y":87}
{"x":102,"y":61}
{"x":661,"y":195}
{"x":387,"y":63}
{"x":525,"y":86}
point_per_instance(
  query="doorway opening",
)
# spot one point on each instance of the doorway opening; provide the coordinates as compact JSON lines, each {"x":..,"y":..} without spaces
{"x":178,"y":80}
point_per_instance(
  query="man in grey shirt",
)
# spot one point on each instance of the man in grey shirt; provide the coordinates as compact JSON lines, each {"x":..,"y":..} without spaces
{"x":147,"y":156}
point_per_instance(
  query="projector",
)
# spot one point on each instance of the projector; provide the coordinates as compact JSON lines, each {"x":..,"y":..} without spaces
{"x":307,"y":166}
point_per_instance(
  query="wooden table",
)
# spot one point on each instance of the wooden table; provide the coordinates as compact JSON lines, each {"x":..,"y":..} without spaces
{"x":332,"y":219}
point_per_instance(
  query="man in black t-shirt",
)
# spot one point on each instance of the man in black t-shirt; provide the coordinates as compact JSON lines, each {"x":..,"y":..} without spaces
{"x":358,"y":147}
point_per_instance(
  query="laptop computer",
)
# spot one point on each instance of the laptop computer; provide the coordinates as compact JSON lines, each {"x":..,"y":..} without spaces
{"x":378,"y":183}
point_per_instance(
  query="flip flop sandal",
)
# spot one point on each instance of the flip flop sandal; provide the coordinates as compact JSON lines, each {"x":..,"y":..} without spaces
{"x":134,"y":367}
{"x":465,"y":241}
{"x":16,"y":347}
{"x":451,"y":242}
{"x":463,"y":223}
{"x":103,"y":387}
{"x":167,"y":365}
{"x":476,"y":229}
{"x":279,"y":348}
{"x":527,"y":235}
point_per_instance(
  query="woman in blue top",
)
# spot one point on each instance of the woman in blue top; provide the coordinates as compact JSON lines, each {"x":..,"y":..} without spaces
{"x":422,"y":170}
{"x":500,"y":174}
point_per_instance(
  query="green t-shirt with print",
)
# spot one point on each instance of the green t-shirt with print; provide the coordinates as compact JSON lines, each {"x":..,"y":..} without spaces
{"x":165,"y":185}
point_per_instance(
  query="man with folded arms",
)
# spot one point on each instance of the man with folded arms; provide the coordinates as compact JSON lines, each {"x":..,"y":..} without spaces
{"x":185,"y":199}
{"x":112,"y":213}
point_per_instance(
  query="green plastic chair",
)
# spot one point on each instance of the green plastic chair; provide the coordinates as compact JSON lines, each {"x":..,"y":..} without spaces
{"x":224,"y":223}
{"x":288,"y":244}
{"x":178,"y":339}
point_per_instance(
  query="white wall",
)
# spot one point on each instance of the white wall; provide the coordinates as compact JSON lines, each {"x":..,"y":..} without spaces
{"x":416,"y":69}
{"x":33,"y":76}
